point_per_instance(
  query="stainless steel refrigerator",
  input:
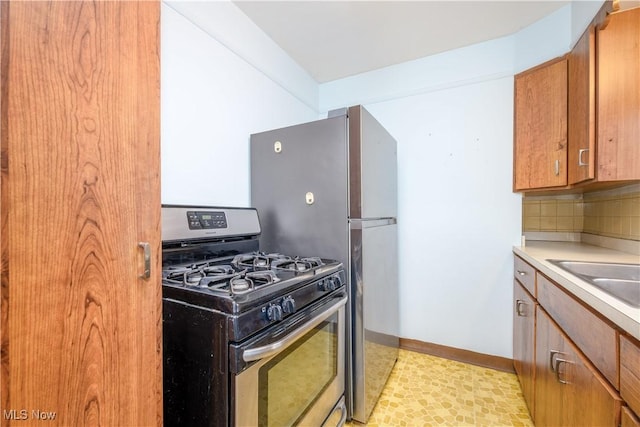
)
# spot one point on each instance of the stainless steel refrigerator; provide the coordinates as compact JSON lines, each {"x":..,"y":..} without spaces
{"x":328,"y":188}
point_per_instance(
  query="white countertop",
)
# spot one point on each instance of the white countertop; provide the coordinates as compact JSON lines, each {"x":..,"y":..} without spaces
{"x":537,"y":253}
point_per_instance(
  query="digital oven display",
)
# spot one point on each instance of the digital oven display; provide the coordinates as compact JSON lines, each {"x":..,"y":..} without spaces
{"x":199,"y":220}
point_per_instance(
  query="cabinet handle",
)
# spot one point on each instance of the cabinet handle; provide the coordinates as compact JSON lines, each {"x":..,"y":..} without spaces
{"x":556,"y":167}
{"x":146,"y":250}
{"x":519,"y":311}
{"x":522,"y":273}
{"x":557,"y":369}
{"x":580,"y":153}
{"x":552,"y":355}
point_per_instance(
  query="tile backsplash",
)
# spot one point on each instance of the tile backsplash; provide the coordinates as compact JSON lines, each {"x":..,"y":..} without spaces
{"x":611,"y":213}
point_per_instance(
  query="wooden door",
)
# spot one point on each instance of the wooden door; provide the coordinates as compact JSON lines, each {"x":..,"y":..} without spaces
{"x":523,"y":342}
{"x":582,"y":108}
{"x":80,"y":330}
{"x":540,"y":126}
{"x":618,"y":89}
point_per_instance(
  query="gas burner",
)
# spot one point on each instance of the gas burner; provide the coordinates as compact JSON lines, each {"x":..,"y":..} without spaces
{"x":298,"y":265}
{"x":256,"y":261}
{"x":220,"y":282}
{"x":240,"y":284}
{"x":192,"y":277}
{"x":261,"y":278}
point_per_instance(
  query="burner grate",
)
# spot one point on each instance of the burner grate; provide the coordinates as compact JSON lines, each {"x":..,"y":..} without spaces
{"x":297,"y":264}
{"x":257,"y":261}
{"x":228,"y":279}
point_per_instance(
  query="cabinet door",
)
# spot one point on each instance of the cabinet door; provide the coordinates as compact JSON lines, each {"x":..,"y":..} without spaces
{"x":80,"y":330}
{"x":523,"y":342}
{"x":618,"y":92}
{"x":582,"y":108}
{"x":569,"y":390}
{"x":628,"y":418}
{"x":540,"y":126}
{"x":548,"y":391}
{"x":630,"y":372}
{"x":588,"y":399}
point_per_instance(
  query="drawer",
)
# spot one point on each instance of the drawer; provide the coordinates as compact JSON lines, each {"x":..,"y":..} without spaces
{"x":630,"y":373}
{"x":595,"y":338}
{"x":525,"y":274}
{"x":628,"y":418}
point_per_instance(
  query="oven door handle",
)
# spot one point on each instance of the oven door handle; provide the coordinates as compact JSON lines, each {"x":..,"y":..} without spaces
{"x":252,"y":354}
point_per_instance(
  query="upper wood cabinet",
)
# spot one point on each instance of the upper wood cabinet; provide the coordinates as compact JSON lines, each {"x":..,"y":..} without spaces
{"x":80,"y":328}
{"x":602,"y":115}
{"x":540,"y":126}
{"x":618,"y":97}
{"x":582,"y":108}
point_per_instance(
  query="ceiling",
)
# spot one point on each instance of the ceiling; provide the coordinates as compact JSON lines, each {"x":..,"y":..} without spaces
{"x":336,"y":39}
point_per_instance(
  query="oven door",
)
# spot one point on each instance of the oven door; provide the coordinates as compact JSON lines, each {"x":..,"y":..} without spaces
{"x":295,"y":373}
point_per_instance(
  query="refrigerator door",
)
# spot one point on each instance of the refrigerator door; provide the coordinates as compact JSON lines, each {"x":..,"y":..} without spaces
{"x":299,"y":187}
{"x":373,"y":167}
{"x":376,"y":321}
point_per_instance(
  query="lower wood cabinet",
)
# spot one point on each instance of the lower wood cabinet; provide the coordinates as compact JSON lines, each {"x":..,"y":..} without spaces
{"x":630,"y":372}
{"x":595,"y":338}
{"x":524,"y":311}
{"x":628,"y":418}
{"x":575,"y":368}
{"x":568,"y":389}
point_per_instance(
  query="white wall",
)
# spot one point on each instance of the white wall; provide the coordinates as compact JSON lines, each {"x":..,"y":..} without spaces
{"x":452,"y":115}
{"x":457,"y":215}
{"x":214,"y":94}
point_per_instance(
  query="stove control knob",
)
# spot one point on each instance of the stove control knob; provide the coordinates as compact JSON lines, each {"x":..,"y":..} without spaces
{"x":333,"y":283}
{"x":288,"y":305}
{"x":325,"y":285}
{"x":337,"y":282}
{"x":274,"y":313}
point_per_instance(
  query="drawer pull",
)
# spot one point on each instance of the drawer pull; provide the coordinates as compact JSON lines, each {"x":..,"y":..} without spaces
{"x":559,"y":362}
{"x":522,"y":273}
{"x":521,"y":308}
{"x":552,"y":356}
{"x":146,"y":250}
{"x":580,"y":153}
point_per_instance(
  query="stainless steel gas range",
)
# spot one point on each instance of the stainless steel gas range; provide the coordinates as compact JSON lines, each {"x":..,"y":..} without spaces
{"x":249,"y":338}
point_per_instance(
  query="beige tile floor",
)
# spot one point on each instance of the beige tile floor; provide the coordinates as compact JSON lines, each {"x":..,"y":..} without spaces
{"x":424,"y":390}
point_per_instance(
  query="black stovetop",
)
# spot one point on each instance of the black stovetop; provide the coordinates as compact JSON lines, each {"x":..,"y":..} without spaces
{"x":237,"y":283}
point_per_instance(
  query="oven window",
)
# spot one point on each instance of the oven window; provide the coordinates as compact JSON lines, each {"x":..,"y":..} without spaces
{"x":291,"y":382}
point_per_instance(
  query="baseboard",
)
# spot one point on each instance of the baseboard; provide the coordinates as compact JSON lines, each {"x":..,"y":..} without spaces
{"x":466,"y":356}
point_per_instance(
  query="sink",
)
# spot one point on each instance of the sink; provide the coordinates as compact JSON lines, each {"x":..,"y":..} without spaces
{"x":621,"y":281}
{"x":607,"y":270}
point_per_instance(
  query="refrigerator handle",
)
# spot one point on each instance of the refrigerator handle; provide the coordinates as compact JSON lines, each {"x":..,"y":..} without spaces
{"x":369,"y":223}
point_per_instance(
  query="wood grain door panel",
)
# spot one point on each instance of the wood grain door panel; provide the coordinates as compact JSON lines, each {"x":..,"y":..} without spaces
{"x":548,"y":393}
{"x":524,"y":342}
{"x":618,"y":92}
{"x":80,"y":188}
{"x":596,"y":338}
{"x":540,"y":126}
{"x":630,"y":372}
{"x":582,"y":108}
